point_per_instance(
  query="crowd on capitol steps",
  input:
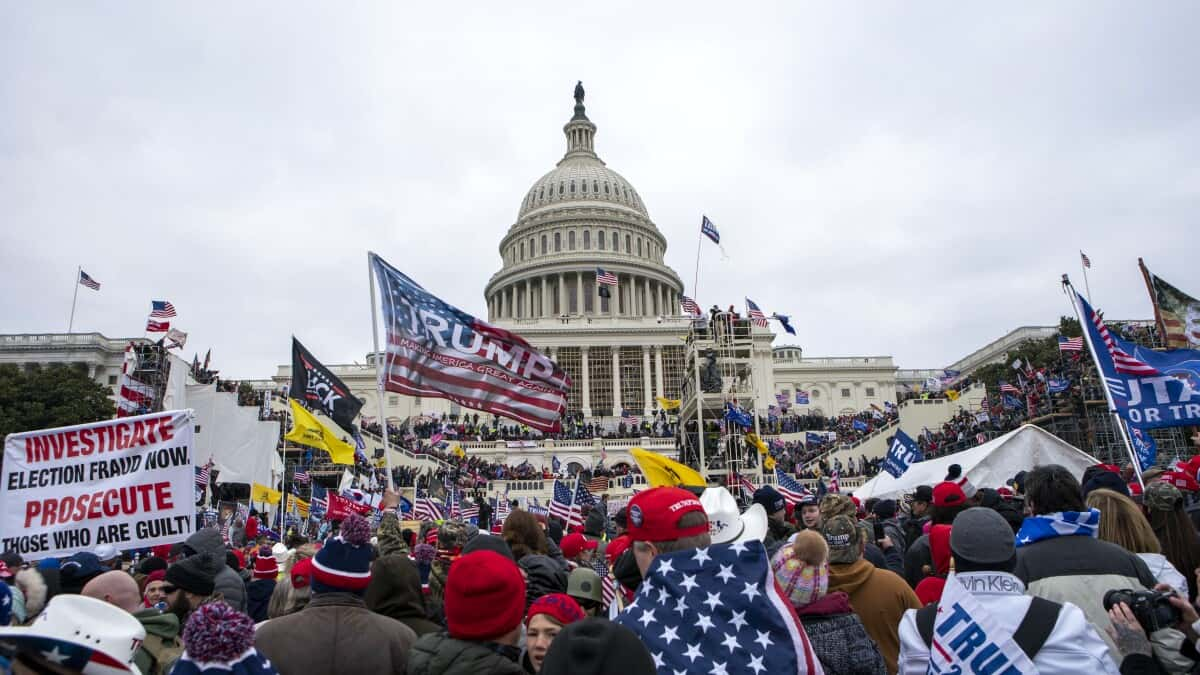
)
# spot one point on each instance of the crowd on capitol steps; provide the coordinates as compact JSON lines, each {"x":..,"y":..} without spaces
{"x":1051,"y":572}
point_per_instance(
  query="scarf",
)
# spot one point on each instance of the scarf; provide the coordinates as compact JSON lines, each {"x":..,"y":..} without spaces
{"x":1062,"y":524}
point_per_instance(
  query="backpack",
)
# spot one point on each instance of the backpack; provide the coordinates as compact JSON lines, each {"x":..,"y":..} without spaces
{"x":1031,"y":633}
{"x":163,"y":653}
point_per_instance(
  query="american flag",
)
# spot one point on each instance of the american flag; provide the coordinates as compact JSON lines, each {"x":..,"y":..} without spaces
{"x":561,"y":506}
{"x":756,"y":314}
{"x":1066,"y":344}
{"x":425,"y":508}
{"x":88,"y":281}
{"x":689,"y":305}
{"x":470,"y":511}
{"x":502,"y":507}
{"x":723,"y":607}
{"x":1008,"y":388}
{"x":598,"y":484}
{"x":790,"y":488}
{"x":1123,"y":362}
{"x":162,"y":309}
{"x":741,"y":481}
{"x":630,"y":419}
{"x":301,"y":476}
{"x":608,"y":587}
{"x":480,"y":367}
{"x":1087,"y":262}
{"x":203,"y":473}
{"x":153,"y":326}
{"x":605,"y":278}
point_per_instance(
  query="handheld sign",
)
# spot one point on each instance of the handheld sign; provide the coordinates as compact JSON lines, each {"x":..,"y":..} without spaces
{"x":903,"y":454}
{"x":128,"y":482}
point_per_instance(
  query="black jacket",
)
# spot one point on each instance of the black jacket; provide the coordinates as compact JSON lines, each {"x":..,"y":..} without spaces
{"x":440,"y":654}
{"x":395,"y":591}
{"x":258,"y":598}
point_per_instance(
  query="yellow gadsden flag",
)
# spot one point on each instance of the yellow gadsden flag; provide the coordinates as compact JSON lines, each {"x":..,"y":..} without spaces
{"x":260,"y":493}
{"x":660,"y":470}
{"x":753,"y":439}
{"x":307,"y":430}
{"x":952,"y":394}
{"x":668,"y":403}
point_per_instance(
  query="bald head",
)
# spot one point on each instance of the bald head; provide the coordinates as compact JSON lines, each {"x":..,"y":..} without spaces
{"x":115,"y":588}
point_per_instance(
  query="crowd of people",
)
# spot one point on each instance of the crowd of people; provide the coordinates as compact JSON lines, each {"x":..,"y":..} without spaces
{"x":1051,"y":572}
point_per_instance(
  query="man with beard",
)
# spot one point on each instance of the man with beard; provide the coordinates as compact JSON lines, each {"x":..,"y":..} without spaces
{"x":161,"y":647}
{"x":190,"y":582}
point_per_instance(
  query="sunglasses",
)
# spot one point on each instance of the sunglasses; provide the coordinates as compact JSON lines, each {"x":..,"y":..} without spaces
{"x":169,"y":589}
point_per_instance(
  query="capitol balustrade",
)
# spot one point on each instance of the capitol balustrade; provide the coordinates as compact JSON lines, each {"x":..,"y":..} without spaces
{"x":543,"y":489}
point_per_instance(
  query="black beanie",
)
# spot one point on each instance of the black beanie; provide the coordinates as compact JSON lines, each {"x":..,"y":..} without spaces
{"x":597,"y":646}
{"x":196,"y":575}
{"x":151,"y":564}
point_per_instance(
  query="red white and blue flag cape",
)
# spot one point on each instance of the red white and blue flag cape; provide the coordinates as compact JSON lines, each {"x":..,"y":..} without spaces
{"x":439,"y":351}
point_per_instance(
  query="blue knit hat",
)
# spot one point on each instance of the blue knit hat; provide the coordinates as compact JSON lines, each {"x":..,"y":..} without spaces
{"x":220,"y":639}
{"x":770,"y":499}
{"x":344,"y":563}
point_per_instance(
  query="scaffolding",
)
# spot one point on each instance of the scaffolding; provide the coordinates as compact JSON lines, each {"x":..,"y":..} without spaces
{"x":718,"y":370}
{"x":152,"y":366}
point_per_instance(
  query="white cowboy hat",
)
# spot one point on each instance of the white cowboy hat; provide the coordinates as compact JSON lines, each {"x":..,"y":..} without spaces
{"x":82,"y":634}
{"x":725,"y":524}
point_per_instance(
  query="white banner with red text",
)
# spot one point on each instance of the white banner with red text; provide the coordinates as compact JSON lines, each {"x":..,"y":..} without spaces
{"x":128,"y":482}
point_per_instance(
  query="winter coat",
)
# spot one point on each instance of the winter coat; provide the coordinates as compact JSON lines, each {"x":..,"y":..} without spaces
{"x":162,"y":646}
{"x":890,"y":559}
{"x":335,"y":633}
{"x":778,"y":532}
{"x":913,"y":529}
{"x":879,"y":598}
{"x":395,"y":592}
{"x":1079,"y":570}
{"x":258,"y":598}
{"x":917,"y":558}
{"x":228,"y":583}
{"x":543,"y":575}
{"x":237,"y":536}
{"x":838,"y":637}
{"x":1073,"y":645}
{"x":1165,"y":572}
{"x":440,"y":654}
{"x":893,"y":530}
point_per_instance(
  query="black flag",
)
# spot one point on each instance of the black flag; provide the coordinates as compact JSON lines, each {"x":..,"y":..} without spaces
{"x":321,"y":390}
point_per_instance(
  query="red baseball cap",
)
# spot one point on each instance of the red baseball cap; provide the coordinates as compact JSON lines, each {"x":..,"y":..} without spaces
{"x":1180,"y":480}
{"x":654,"y":514}
{"x":573,"y":544}
{"x":947,"y":493}
{"x":616,"y":547}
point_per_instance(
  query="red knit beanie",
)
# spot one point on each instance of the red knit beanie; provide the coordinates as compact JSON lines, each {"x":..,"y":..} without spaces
{"x":484,"y":597}
{"x":558,"y":606}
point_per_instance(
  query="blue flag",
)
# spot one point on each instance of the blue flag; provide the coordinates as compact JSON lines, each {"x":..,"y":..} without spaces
{"x":1013,"y":402}
{"x":1143,"y":446}
{"x":738,"y":416}
{"x":811,"y":438}
{"x":903,"y":454}
{"x":1056,"y":385}
{"x":1149,"y":389}
{"x":406,"y":505}
{"x":859,"y":425}
{"x":709,"y":230}
{"x":801,"y":397}
{"x":555,"y":464}
{"x":785,"y":321}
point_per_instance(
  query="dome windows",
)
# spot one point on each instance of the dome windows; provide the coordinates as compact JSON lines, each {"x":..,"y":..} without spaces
{"x":557,"y":242}
{"x":639,"y":246}
{"x":572,"y":187}
{"x":571,"y":240}
{"x":628,"y":244}
{"x":587,"y":240}
{"x":522,"y":250}
{"x":605,"y":187}
{"x":596,"y":186}
{"x":600,"y":239}
{"x":543,"y":244}
{"x":561,"y":188}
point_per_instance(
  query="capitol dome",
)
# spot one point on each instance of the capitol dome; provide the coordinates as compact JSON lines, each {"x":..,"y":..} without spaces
{"x":580,"y":217}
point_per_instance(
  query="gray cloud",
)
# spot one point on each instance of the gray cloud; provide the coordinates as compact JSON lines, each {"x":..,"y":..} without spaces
{"x":903,"y":179}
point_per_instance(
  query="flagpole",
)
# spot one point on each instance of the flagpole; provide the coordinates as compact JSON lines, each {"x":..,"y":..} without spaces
{"x":387,"y":451}
{"x":1086,"y":286}
{"x":1112,"y":407}
{"x":74,"y":297}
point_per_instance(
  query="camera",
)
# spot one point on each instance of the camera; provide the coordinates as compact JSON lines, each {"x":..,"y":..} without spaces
{"x":1151,"y":608}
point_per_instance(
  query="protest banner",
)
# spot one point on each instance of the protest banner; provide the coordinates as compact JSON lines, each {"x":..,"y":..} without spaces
{"x":128,"y":482}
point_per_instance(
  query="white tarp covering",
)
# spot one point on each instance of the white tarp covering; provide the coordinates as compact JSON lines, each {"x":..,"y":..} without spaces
{"x":988,"y":465}
{"x":242,"y":449}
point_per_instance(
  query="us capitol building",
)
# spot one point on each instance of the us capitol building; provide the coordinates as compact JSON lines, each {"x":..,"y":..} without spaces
{"x":620,"y":352}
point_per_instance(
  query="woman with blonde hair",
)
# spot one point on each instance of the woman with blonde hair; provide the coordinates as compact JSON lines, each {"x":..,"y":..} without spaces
{"x":1123,"y":523}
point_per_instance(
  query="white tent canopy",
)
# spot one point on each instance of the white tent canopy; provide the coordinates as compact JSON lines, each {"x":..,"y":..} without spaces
{"x":988,"y":465}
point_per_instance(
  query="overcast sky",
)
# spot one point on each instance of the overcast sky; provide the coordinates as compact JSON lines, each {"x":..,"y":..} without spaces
{"x":902,"y":178}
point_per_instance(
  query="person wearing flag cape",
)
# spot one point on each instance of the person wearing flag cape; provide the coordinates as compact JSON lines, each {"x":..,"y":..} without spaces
{"x":985,"y":623}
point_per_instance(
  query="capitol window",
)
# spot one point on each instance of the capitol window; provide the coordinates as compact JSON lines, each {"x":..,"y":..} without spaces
{"x":600,"y":239}
{"x":639,"y":247}
{"x":870,"y":392}
{"x":561,"y":187}
{"x":845,"y":393}
{"x":522,"y":250}
{"x":628,"y":244}
{"x":541,"y":192}
{"x":557,"y":242}
{"x":571,"y":240}
{"x":587,"y":240}
{"x":531,"y":248}
{"x":543,"y":244}
{"x":596,"y":186}
{"x":572,"y":187}
{"x":606,"y":187}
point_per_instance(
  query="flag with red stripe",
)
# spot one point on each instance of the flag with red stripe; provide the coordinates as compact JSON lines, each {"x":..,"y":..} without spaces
{"x":439,"y":351}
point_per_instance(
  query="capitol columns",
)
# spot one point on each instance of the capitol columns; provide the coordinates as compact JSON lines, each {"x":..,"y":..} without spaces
{"x":662,"y":305}
{"x":579,"y":294}
{"x":562,"y":293}
{"x":585,"y":384}
{"x":618,"y":404}
{"x":658,"y":375}
{"x":545,"y":296}
{"x":646,"y":381}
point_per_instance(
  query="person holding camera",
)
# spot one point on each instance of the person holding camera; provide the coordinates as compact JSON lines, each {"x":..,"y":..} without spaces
{"x":1055,"y":637}
{"x":1135,"y":614}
